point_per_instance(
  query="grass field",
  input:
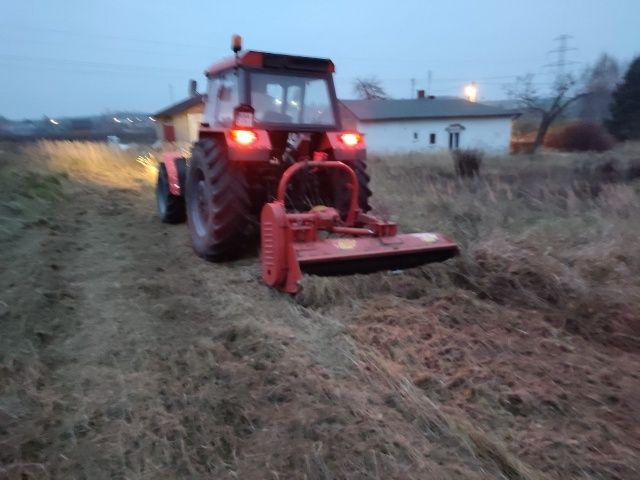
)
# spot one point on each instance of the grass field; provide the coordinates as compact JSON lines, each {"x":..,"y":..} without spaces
{"x":123,"y":355}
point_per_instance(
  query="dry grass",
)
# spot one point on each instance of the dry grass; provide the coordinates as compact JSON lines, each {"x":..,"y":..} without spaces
{"x":96,"y":162}
{"x":527,"y":327}
{"x":124,"y":356}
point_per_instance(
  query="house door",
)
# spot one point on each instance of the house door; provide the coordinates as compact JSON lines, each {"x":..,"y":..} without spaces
{"x":169,"y":132}
{"x":455,"y":129}
{"x":454,"y":140}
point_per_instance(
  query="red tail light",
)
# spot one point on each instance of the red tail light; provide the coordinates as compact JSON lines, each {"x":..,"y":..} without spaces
{"x":244,"y":137}
{"x":351,"y":139}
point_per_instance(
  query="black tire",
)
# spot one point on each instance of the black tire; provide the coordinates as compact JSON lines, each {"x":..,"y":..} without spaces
{"x":342,"y":195}
{"x":218,"y":203}
{"x":329,"y":188}
{"x":360,"y":167}
{"x":171,"y":207}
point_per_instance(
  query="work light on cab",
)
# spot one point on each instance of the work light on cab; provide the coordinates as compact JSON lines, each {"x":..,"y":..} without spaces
{"x":236,"y":43}
{"x":351,"y":139}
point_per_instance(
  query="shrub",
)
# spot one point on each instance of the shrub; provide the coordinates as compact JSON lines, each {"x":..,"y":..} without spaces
{"x":579,"y":137}
{"x":633,"y":170}
{"x":467,"y":162}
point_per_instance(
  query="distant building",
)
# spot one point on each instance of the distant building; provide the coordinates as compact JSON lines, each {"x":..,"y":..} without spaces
{"x":5,"y":127}
{"x":422,"y":124}
{"x":180,"y":122}
{"x":23,"y":128}
{"x":80,"y":127}
{"x":428,"y":124}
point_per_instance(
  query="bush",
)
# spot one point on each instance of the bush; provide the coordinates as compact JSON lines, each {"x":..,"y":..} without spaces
{"x":467,"y":162}
{"x":579,"y":137}
{"x":633,"y":170}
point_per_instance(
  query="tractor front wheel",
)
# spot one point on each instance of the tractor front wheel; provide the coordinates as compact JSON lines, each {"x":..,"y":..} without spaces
{"x":217,"y":203}
{"x":170,"y":207}
{"x":360,"y":167}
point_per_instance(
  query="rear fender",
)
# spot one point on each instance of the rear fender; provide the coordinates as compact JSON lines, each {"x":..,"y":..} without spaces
{"x":259,"y":151}
{"x":176,"y":166}
{"x":340,"y":151}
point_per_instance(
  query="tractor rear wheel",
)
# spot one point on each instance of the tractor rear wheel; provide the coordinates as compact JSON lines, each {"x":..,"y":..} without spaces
{"x":170,"y":207}
{"x":217,"y":203}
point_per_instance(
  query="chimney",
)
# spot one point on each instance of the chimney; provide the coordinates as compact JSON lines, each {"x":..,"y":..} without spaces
{"x":193,"y":88}
{"x":420,"y":93}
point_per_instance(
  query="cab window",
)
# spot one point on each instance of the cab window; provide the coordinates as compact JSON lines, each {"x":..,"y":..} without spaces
{"x":223,"y":95}
{"x":291,"y":99}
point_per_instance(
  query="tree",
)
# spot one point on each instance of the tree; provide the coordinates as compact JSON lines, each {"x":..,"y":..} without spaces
{"x":563,"y":93}
{"x":600,"y":82}
{"x":369,"y":88}
{"x":625,"y":109}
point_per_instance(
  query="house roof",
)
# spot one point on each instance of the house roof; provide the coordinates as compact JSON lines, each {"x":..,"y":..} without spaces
{"x":181,"y":106}
{"x":408,"y":109}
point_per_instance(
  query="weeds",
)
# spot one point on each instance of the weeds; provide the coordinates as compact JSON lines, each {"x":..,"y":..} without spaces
{"x":467,"y":162}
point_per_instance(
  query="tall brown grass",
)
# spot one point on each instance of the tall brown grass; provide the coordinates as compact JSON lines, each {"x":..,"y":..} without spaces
{"x":550,"y":231}
{"x":96,"y":162}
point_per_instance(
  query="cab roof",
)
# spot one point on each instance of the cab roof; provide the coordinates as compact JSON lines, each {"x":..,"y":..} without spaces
{"x":277,"y":61}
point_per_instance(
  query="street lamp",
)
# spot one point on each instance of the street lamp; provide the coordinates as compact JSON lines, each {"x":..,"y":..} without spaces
{"x":471,"y":91}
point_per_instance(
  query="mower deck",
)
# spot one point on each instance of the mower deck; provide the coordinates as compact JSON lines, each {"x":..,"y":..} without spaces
{"x":344,"y":256}
{"x":322,"y":242}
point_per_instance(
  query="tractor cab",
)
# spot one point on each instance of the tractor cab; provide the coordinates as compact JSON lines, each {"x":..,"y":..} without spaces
{"x":272,"y":92}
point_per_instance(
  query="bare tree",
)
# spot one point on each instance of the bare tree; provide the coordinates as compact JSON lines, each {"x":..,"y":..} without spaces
{"x":563,"y":93}
{"x":600,"y":81}
{"x":369,"y":88}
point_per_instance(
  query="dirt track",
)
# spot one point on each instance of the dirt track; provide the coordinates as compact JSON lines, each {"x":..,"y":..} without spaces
{"x":126,"y":356}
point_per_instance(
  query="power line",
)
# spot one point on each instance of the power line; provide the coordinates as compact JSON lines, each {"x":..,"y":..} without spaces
{"x":84,"y":35}
{"x":92,"y":64}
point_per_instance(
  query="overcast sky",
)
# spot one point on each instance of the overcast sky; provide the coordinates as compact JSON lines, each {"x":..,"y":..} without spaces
{"x":77,"y":57}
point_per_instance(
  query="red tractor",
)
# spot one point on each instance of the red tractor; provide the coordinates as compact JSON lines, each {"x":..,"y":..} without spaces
{"x":271,"y":145}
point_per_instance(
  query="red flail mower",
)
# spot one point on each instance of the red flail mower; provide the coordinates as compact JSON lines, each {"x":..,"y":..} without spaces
{"x":272,"y":145}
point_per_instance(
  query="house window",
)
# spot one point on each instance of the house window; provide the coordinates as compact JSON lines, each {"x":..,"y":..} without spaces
{"x":169,"y":132}
{"x":432,"y":139}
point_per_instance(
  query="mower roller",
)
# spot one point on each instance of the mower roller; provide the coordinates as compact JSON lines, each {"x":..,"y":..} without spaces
{"x":271,"y":144}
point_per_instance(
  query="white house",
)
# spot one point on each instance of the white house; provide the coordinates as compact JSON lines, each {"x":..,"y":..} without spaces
{"x":428,"y":124}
